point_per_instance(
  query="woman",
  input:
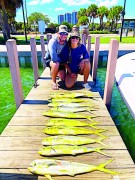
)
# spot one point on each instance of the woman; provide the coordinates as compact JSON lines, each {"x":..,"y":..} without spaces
{"x":78,"y":62}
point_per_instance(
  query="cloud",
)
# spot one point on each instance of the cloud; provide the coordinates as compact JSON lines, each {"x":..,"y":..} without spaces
{"x":107,"y":3}
{"x":76,"y":2}
{"x":59,"y":9}
{"x":35,"y":2}
{"x":46,"y":1}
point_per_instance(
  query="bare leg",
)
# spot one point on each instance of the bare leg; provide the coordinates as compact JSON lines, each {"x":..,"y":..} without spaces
{"x":54,"y":73}
{"x":86,"y":71}
{"x":62,"y":74}
{"x":70,"y":81}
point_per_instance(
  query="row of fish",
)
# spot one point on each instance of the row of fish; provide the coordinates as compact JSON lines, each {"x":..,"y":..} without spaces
{"x":64,"y":127}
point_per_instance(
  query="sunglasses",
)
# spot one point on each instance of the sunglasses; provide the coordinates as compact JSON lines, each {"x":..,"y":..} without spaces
{"x":63,"y":33}
{"x":74,"y":37}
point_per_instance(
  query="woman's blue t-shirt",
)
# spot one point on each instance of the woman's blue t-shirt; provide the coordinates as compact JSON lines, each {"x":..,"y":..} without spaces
{"x":75,"y":56}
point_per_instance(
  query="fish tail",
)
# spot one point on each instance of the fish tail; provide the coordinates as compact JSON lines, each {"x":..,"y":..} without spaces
{"x":99,"y":134}
{"x":89,"y":118}
{"x":93,"y":126}
{"x":102,"y":168}
{"x":99,"y":150}
{"x":99,"y":141}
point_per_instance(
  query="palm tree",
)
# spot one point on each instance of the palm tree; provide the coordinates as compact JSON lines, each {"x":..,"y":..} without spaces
{"x":118,"y":10}
{"x":102,"y":12}
{"x":92,"y":11}
{"x":25,"y":28}
{"x":81,"y":12}
{"x":111,"y":17}
{"x":8,"y":6}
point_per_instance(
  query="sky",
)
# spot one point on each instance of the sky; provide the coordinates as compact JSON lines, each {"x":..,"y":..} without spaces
{"x":53,"y":8}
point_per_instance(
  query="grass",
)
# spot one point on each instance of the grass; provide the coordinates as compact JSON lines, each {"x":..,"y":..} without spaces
{"x":20,"y":40}
{"x":106,"y":40}
{"x":7,"y":102}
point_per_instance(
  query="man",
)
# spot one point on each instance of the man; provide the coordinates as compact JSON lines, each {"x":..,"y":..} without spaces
{"x":55,"y":47}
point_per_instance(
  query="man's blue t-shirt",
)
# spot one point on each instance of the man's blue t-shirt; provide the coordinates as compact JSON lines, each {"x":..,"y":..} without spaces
{"x":55,"y":49}
{"x":74,"y":56}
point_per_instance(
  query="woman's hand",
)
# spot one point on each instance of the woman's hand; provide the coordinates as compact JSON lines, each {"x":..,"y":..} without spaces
{"x":82,"y":63}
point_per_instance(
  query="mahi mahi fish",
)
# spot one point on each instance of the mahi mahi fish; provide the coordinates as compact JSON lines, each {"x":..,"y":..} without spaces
{"x":73,"y":109}
{"x":70,"y":140}
{"x":70,"y":100}
{"x":68,"y":115}
{"x":67,"y":122}
{"x":71,"y":95}
{"x":55,"y":130}
{"x":68,"y":150}
{"x":52,"y":167}
{"x":72,"y":105}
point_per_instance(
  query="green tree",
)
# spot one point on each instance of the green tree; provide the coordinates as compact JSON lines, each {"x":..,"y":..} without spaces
{"x":81,"y":12}
{"x":102,"y":12}
{"x":111,"y":17}
{"x":69,"y":26}
{"x":83,"y":20}
{"x":92,"y":12}
{"x":36,"y":16}
{"x":118,"y":10}
{"x":53,"y":26}
{"x":8,"y":7}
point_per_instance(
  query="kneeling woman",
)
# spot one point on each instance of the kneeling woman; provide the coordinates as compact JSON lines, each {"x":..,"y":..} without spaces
{"x":78,"y":62}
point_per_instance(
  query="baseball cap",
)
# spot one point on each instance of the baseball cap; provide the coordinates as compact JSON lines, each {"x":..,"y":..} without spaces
{"x":75,"y":34}
{"x":63,"y":28}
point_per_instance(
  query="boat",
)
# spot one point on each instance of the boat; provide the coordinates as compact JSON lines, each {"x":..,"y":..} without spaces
{"x":125,"y":80}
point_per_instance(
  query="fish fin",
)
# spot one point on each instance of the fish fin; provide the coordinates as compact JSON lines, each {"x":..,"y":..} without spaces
{"x":48,"y":176}
{"x":101,"y":152}
{"x":102,"y":168}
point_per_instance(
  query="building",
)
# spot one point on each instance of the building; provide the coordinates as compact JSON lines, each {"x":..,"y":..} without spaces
{"x":74,"y":19}
{"x":68,"y":17}
{"x":60,"y":18}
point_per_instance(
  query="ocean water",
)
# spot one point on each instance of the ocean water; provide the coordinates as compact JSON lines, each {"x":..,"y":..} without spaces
{"x":119,"y":112}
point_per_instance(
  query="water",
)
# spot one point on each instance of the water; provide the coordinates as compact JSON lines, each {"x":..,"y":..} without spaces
{"x":7,"y":103}
{"x":119,"y":112}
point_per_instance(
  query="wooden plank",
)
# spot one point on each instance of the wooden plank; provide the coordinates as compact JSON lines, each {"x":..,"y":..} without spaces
{"x":23,"y":143}
{"x":22,"y":159}
{"x":18,"y":120}
{"x":15,"y":174}
{"x":21,"y":131}
{"x":29,"y":110}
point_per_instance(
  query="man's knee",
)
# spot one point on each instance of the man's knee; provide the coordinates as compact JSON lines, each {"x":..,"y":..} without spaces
{"x":54,"y":64}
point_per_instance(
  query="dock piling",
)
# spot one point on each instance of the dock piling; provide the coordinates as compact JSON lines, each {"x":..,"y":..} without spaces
{"x":34,"y":59}
{"x":15,"y":71}
{"x":111,"y":66}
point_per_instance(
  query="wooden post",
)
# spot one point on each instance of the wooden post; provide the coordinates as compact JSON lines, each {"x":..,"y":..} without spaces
{"x":89,"y":45}
{"x":95,"y":59}
{"x":34,"y":59}
{"x":15,"y":71}
{"x":84,"y":39}
{"x":111,"y":66}
{"x":48,"y":36}
{"x":42,"y":49}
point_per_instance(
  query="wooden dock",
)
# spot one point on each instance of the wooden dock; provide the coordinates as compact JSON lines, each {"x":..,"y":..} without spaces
{"x":21,"y":139}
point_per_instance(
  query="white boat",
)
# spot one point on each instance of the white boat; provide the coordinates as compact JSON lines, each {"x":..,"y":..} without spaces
{"x":125,"y":80}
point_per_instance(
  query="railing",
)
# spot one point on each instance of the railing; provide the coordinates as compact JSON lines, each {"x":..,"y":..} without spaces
{"x":14,"y":65}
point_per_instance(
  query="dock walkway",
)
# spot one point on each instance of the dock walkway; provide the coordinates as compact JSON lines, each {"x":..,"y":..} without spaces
{"x":21,"y":139}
